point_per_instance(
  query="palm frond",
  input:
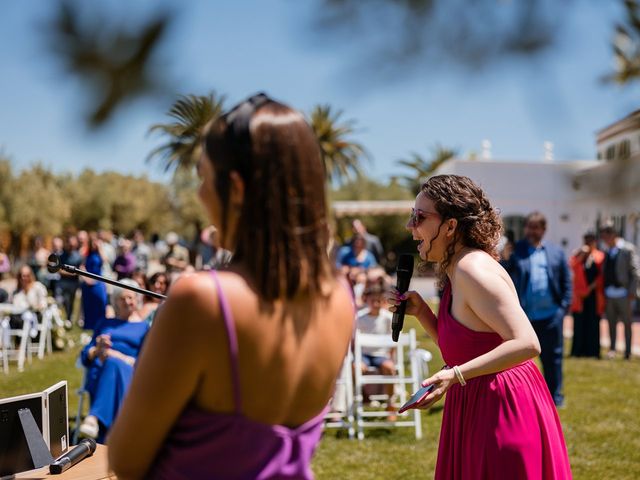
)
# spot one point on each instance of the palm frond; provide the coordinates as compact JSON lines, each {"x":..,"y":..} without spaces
{"x":421,"y":168}
{"x":191,"y":114}
{"x":341,"y":155}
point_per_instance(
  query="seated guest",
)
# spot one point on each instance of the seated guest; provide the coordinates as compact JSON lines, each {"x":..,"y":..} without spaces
{"x":239,"y":366}
{"x":375,"y":319}
{"x":356,"y":254}
{"x":158,"y":283}
{"x":28,"y":295}
{"x":109,"y":360}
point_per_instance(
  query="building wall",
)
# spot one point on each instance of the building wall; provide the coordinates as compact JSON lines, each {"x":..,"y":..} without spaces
{"x":616,"y":144}
{"x":518,"y":188}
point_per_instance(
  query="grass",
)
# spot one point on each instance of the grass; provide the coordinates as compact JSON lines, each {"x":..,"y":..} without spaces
{"x":601,"y":422}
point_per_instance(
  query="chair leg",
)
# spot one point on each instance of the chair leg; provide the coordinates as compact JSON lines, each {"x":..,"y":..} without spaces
{"x":24,"y":344}
{"x":5,"y":357}
{"x":42,"y":341}
{"x":4,"y":339}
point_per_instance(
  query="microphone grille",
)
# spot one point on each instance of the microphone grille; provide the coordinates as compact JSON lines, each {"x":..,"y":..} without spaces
{"x":405,"y":263}
{"x":91,"y":443}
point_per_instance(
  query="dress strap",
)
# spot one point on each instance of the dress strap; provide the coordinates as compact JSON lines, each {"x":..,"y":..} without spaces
{"x":233,"y":342}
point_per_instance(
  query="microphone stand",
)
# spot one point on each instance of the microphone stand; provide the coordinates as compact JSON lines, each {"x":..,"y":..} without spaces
{"x":54,"y":265}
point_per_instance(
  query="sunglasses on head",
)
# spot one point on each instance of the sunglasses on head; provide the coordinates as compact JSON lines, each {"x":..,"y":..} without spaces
{"x":239,"y":117}
{"x":238,"y":135}
{"x":418,"y":216}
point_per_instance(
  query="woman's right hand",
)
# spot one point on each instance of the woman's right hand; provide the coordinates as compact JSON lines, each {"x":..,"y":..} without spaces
{"x":415,"y":303}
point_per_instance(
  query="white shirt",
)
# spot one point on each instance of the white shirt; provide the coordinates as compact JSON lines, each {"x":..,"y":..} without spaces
{"x":379,"y":325}
{"x":35,"y":299}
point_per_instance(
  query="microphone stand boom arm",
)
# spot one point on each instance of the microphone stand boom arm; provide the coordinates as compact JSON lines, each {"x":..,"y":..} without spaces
{"x":54,"y":265}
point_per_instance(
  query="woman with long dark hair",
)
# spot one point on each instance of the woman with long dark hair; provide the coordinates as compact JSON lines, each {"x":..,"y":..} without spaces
{"x":499,"y":419}
{"x":239,"y":366}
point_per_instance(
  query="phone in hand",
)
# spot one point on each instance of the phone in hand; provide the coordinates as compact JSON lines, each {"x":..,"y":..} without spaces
{"x":416,"y":398}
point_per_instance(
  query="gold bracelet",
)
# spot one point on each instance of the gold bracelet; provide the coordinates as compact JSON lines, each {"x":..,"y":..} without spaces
{"x":458,"y":373}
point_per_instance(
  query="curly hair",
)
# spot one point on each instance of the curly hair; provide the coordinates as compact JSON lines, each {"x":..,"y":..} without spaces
{"x":479,"y":225}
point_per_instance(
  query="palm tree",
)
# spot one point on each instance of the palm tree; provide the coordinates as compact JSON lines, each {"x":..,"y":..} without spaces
{"x":424,"y":168}
{"x":341,"y":156}
{"x":191,"y":114}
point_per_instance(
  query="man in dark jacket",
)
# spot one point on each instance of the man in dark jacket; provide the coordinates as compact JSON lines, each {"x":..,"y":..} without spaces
{"x":542,"y":279}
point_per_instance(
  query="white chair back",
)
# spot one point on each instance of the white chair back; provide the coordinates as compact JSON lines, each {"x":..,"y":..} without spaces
{"x":405,"y":378}
{"x":340,"y":413}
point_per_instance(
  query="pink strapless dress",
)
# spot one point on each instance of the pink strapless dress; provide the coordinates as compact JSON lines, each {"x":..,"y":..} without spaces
{"x":498,"y":426}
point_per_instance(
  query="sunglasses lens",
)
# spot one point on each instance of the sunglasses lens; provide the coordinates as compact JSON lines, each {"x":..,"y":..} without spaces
{"x":415,"y":219}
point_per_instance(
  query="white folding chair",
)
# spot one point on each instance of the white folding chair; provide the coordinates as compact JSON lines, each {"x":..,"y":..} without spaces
{"x":403,"y":379}
{"x":50,"y":317}
{"x":4,"y":342}
{"x":16,"y":340}
{"x":341,"y":404}
{"x":423,"y":357}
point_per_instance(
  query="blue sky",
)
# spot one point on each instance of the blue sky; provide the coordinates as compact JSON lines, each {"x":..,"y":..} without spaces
{"x":240,"y":47}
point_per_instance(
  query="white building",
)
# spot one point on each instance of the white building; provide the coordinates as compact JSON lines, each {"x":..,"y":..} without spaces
{"x":575,"y":196}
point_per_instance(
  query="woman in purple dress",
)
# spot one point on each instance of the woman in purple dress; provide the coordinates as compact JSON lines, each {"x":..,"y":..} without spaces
{"x":499,"y":419}
{"x":239,"y":366}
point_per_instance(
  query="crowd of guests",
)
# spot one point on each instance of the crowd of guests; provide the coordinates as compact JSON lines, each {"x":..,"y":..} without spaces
{"x":113,"y":256}
{"x":116,"y":319}
{"x":605,"y":284}
{"x":590,"y":285}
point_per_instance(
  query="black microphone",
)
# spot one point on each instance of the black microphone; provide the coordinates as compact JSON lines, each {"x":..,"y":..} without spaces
{"x":403,"y":273}
{"x":84,"y":449}
{"x":53,"y":263}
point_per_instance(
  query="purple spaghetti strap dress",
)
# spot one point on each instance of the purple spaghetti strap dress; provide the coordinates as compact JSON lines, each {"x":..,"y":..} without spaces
{"x":501,"y":425}
{"x":230,"y":446}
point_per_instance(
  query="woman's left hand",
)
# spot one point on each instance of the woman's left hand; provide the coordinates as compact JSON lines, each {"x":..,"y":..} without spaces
{"x":442,"y":381}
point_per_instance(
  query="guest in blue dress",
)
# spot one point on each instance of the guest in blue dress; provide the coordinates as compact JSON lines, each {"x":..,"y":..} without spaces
{"x":94,"y":293}
{"x":109,"y":360}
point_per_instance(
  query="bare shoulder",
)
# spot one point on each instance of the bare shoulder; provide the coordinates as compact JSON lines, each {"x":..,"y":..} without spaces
{"x":191,"y":289}
{"x":477,"y":270}
{"x":192,"y":303}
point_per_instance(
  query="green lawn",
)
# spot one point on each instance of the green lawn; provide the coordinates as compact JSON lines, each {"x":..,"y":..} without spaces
{"x":601,"y":422}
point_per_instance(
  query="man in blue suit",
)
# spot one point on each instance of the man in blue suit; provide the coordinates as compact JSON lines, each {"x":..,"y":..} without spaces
{"x":542,"y":279}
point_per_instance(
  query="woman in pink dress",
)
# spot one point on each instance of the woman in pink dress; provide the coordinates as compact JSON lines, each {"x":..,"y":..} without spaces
{"x":499,"y":419}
